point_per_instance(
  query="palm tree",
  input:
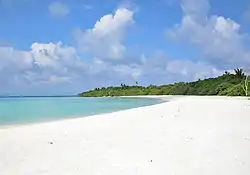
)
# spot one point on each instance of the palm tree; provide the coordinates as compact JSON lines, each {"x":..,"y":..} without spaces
{"x":239,"y":73}
{"x":245,"y":86}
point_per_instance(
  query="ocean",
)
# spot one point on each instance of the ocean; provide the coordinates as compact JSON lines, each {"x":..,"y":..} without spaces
{"x":39,"y":109}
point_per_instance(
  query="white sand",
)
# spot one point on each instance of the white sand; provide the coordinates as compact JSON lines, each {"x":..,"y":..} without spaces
{"x":186,"y":136}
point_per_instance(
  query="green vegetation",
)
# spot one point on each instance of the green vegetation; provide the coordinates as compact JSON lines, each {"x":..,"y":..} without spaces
{"x":226,"y":84}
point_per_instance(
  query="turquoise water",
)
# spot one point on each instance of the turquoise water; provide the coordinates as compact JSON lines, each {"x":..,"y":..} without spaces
{"x":30,"y":110}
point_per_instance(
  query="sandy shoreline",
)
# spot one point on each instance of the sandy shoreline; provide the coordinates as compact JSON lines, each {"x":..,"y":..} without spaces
{"x":188,"y":135}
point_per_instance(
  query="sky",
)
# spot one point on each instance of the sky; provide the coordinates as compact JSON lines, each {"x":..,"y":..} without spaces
{"x":64,"y":47}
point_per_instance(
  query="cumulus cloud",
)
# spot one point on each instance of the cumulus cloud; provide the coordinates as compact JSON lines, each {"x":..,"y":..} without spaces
{"x":161,"y":69}
{"x":44,"y":63}
{"x":20,"y":60}
{"x":218,"y":37}
{"x":52,"y":55}
{"x":105,"y":39}
{"x":55,"y":68}
{"x":59,"y":9}
{"x":51,"y":64}
{"x":192,"y":70}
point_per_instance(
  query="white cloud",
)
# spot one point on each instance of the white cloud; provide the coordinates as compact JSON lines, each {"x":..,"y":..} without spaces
{"x":192,"y":70}
{"x":51,"y":55}
{"x":59,"y":9}
{"x":55,"y":79}
{"x":218,"y":37}
{"x":105,"y":39}
{"x":44,"y":63}
{"x":132,"y":70}
{"x":46,"y":67}
{"x":11,"y":58}
{"x":160,"y":69}
{"x":53,"y":61}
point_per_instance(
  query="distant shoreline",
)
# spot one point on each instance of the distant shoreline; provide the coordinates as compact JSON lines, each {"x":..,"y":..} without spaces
{"x":227,"y":84}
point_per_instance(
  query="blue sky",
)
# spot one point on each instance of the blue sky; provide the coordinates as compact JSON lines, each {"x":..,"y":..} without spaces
{"x":65,"y":47}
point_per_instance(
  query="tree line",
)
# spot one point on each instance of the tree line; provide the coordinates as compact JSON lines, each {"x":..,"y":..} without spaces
{"x":228,"y":84}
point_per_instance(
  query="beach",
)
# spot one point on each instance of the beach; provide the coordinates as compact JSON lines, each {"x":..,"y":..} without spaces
{"x":182,"y":136}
